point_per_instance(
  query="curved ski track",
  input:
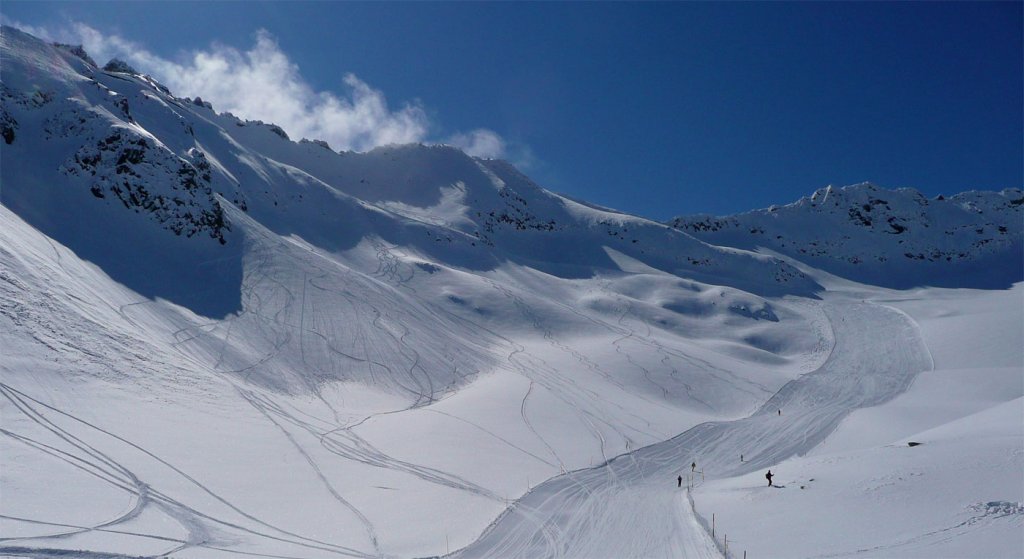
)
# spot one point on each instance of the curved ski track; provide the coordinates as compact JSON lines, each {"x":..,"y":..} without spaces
{"x":626,"y":507}
{"x":630,"y":507}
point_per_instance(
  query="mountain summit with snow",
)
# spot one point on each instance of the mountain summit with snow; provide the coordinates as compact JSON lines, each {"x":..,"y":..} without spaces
{"x":218,"y":341}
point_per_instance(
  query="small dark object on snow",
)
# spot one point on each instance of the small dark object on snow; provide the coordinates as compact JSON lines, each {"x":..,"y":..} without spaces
{"x":769,"y":476}
{"x":679,"y":480}
{"x":693,"y":467}
{"x":912,"y":443}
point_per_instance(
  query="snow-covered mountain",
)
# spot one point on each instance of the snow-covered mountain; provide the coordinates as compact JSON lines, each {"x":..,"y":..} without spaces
{"x":112,"y":140}
{"x":219,"y":341}
{"x":896,"y":238}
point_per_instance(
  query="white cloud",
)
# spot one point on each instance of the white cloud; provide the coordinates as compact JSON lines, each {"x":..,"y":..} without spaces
{"x":479,"y":143}
{"x":262,"y":83}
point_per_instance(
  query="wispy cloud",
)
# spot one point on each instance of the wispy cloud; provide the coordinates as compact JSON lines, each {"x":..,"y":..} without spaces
{"x":479,"y":143}
{"x":262,"y":83}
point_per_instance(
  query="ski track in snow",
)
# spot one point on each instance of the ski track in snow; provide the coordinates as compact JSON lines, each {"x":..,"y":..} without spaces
{"x":630,"y":507}
{"x":273,"y":306}
{"x":105,"y":467}
{"x":270,"y":317}
{"x":561,"y":386}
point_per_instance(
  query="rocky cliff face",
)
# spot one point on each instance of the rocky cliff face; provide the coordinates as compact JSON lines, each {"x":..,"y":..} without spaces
{"x":72,"y":115}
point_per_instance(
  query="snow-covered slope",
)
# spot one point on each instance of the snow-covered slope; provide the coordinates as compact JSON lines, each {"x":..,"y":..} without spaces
{"x":896,"y":238}
{"x":218,"y":341}
{"x":866,"y":492}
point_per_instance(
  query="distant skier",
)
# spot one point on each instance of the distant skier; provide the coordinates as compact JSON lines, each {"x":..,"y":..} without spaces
{"x":693,"y":467}
{"x":780,"y":411}
{"x":769,"y":476}
{"x":741,"y":457}
{"x":680,"y":481}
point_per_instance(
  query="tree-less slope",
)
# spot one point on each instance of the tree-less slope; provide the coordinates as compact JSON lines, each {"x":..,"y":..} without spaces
{"x":630,"y":507}
{"x":895,"y":238}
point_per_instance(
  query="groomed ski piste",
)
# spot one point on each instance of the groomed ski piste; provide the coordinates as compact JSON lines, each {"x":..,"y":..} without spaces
{"x":415,"y":353}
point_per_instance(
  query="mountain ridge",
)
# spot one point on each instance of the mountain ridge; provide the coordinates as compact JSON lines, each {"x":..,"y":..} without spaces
{"x":125,"y":138}
{"x":893,"y":238}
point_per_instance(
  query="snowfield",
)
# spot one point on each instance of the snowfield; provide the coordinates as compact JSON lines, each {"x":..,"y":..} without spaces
{"x":217,"y":342}
{"x":579,"y":514}
{"x":865,"y":492}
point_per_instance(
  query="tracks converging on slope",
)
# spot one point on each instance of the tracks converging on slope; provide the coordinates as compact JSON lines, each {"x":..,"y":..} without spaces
{"x":87,"y":457}
{"x":878,"y":351}
{"x":620,"y":508}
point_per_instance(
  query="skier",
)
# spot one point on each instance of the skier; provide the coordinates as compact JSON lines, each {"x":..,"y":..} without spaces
{"x":693,"y":467}
{"x":769,"y":476}
{"x":780,"y":411}
{"x":680,"y":481}
{"x":741,"y":457}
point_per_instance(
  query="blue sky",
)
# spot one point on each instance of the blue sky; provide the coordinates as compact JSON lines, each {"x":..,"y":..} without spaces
{"x":657,"y":109}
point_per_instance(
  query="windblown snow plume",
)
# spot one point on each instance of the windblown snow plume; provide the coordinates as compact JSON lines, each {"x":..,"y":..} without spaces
{"x":263,"y":83}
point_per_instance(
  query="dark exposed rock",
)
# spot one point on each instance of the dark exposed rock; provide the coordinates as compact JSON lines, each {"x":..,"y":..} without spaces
{"x":147,"y":178}
{"x":278,"y":130}
{"x":118,"y":65}
{"x":78,"y":51}
{"x":122,"y":105}
{"x":319,"y":143}
{"x":7,"y":126}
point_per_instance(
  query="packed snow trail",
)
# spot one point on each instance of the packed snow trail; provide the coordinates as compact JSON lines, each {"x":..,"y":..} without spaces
{"x":630,"y":506}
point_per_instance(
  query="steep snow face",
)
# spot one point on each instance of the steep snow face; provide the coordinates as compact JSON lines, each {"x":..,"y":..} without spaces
{"x":116,"y":158}
{"x":894,"y":238}
{"x":78,"y":165}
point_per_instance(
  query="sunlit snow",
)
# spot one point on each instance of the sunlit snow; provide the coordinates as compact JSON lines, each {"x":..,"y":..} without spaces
{"x":218,"y":342}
